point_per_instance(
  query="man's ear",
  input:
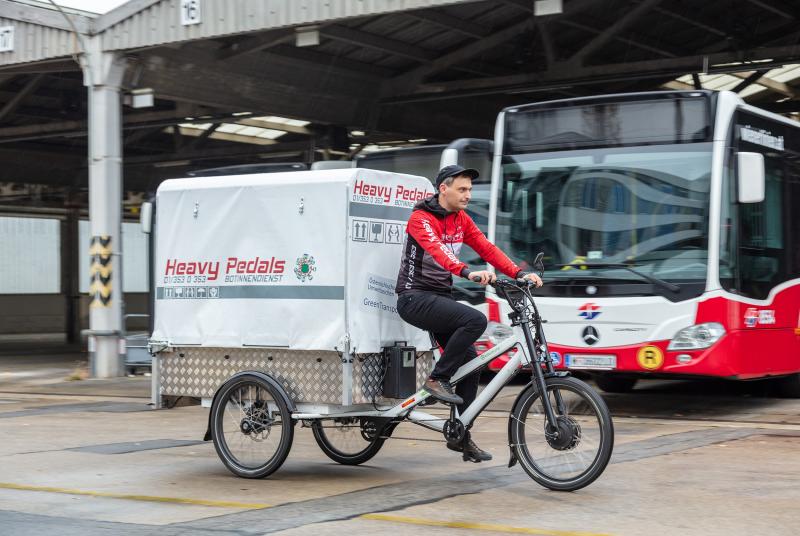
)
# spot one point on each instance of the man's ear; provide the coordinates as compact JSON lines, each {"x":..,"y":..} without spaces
{"x":442,"y":188}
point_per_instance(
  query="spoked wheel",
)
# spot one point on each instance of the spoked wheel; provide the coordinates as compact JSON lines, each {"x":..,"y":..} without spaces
{"x":352,"y":440}
{"x":251,"y":426}
{"x":575,"y":454}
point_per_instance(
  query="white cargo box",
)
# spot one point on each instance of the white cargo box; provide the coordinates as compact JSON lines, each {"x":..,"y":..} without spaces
{"x":281,"y":272}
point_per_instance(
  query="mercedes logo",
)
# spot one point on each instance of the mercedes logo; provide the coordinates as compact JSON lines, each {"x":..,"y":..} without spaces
{"x":591,"y":290}
{"x":590,"y":335}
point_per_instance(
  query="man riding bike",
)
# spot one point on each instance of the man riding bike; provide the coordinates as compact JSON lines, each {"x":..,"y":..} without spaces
{"x":437,"y":228}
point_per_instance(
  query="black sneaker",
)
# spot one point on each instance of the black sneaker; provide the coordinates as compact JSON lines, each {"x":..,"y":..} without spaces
{"x":473,"y":453}
{"x":442,"y":390}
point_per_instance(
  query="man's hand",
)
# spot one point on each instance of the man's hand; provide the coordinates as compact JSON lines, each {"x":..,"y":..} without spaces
{"x":535,"y":278}
{"x":484,"y":277}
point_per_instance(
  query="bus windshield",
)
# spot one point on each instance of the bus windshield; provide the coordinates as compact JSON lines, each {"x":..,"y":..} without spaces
{"x":646,"y":206}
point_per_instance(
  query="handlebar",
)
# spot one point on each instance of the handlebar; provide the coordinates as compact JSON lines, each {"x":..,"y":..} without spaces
{"x":518,"y":283}
{"x":507,"y":282}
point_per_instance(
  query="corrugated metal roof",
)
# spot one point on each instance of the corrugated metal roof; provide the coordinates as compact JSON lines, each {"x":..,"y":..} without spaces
{"x":160,"y":22}
{"x":43,"y":13}
{"x":41,"y":33}
{"x":33,"y":42}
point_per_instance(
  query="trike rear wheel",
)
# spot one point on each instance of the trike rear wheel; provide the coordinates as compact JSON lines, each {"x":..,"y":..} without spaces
{"x":251,"y":426}
{"x":352,"y":440}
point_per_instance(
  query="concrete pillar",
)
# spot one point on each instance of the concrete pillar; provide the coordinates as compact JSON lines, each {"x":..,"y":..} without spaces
{"x":102,"y":74}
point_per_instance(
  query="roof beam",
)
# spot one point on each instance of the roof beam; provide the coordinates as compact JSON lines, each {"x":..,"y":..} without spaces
{"x":547,"y":42}
{"x":224,"y":136}
{"x":748,"y":80}
{"x":376,"y":42}
{"x":566,"y":74}
{"x":283,"y":74}
{"x":59,"y":65}
{"x":234,"y":91}
{"x":681,"y":86}
{"x":78,"y":128}
{"x":29,"y":88}
{"x":203,"y":138}
{"x":774,"y":85}
{"x":689,"y":20}
{"x":257,"y":44}
{"x":629,"y":18}
{"x":139,"y":134}
{"x":273,"y":125}
{"x":774,"y":9}
{"x":329,"y":63}
{"x":217,"y":152}
{"x":411,"y":79}
{"x":448,"y":22}
{"x":637,"y":44}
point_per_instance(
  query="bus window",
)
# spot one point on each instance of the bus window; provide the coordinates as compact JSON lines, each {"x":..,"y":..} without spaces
{"x":766,"y":233}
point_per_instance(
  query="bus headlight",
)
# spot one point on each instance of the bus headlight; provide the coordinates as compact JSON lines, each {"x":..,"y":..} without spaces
{"x":496,"y":332}
{"x":697,"y":337}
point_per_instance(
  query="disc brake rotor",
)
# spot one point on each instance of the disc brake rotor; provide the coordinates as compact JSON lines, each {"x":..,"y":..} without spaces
{"x":257,"y":422}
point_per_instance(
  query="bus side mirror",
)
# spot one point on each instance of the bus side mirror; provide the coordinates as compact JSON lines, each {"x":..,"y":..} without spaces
{"x":750,"y":177}
{"x":146,"y":217}
{"x":449,"y":157}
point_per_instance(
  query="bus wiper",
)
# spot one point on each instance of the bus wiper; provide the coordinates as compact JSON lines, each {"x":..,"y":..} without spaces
{"x":654,"y":280}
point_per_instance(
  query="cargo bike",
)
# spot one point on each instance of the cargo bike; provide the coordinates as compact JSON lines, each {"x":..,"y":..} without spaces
{"x":353,"y":397}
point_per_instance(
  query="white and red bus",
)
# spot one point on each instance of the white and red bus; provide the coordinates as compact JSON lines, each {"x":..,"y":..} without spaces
{"x":670,"y":223}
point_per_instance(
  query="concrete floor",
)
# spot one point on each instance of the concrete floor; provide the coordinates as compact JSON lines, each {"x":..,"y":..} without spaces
{"x":90,"y":457}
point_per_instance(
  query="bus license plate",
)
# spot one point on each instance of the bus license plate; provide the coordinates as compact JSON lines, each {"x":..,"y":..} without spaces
{"x":601,"y":362}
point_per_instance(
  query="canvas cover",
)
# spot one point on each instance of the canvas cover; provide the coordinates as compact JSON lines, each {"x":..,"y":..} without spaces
{"x":298,"y":260}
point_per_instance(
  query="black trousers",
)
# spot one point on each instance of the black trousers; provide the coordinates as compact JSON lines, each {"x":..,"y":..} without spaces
{"x":455,"y":327}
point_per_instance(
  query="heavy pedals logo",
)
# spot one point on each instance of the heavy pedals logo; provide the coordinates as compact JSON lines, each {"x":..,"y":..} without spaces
{"x":101,"y":267}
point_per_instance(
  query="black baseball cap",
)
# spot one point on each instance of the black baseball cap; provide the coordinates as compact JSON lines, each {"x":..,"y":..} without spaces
{"x":454,"y":170}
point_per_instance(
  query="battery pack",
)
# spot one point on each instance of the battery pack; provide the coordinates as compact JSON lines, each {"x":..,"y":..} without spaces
{"x":400,"y":366}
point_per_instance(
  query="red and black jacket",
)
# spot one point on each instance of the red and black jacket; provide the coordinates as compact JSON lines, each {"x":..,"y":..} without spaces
{"x":433,"y":242}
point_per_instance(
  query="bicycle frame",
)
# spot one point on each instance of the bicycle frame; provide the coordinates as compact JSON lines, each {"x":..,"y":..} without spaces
{"x":521,"y":338}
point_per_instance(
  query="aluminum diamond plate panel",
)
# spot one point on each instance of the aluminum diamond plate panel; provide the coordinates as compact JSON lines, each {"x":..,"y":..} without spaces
{"x":308,"y":376}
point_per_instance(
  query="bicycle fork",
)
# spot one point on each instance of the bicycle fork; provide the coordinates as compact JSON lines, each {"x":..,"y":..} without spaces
{"x":538,"y":375}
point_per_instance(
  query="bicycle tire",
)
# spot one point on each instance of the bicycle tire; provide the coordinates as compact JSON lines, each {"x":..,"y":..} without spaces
{"x":220,"y":411}
{"x":348,"y":458}
{"x":533,"y":467}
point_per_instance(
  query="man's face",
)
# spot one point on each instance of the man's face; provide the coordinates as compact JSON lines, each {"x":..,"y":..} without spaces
{"x":457,"y":195}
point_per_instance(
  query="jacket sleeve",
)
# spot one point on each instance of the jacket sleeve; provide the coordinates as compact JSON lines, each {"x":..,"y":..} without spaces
{"x":426,"y":233}
{"x":475,"y":239}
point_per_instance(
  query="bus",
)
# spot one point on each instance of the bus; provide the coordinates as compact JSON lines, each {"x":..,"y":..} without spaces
{"x":666,"y":220}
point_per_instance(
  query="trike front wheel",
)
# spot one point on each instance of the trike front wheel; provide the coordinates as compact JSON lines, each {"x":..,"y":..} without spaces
{"x":575,"y":454}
